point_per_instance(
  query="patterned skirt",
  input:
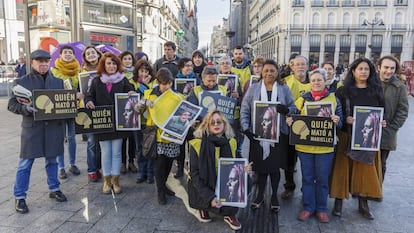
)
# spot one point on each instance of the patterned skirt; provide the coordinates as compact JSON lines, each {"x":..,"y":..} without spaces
{"x":170,"y":150}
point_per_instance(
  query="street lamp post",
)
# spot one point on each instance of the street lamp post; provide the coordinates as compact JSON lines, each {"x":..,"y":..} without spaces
{"x":374,"y":22}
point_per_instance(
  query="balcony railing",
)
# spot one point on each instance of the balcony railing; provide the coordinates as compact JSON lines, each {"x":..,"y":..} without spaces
{"x":317,"y":3}
{"x":298,"y":3}
{"x":380,"y":3}
{"x":330,"y":27}
{"x":348,"y":3}
{"x":364,"y":3}
{"x":401,"y":2}
{"x":332,"y":4}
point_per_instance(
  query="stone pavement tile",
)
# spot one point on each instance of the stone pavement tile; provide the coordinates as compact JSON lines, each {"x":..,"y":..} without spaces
{"x":94,"y":209}
{"x":111,"y":223}
{"x":10,"y":229}
{"x":142,"y":225}
{"x":77,"y":227}
{"x":48,"y":222}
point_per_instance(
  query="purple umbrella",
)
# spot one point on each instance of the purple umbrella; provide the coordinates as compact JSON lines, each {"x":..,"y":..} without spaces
{"x":78,"y":46}
{"x":107,"y":48}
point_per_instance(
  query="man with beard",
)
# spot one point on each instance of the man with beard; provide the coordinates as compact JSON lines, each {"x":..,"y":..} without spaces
{"x":241,"y":66}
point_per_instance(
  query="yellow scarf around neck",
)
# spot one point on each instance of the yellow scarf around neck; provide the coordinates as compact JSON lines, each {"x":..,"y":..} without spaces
{"x":68,"y":68}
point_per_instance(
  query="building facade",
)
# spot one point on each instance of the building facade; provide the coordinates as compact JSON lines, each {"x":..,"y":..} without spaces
{"x":134,"y":25}
{"x":332,"y":30}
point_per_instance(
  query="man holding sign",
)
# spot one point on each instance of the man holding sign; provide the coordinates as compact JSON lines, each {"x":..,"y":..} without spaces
{"x":38,"y":138}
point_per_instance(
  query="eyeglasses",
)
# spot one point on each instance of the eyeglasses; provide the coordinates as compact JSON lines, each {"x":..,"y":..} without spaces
{"x":218,"y":122}
{"x":225,"y":63}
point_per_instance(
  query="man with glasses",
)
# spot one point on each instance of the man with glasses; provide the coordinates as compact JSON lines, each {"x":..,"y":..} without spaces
{"x":208,"y":83}
{"x":298,"y":83}
{"x":39,"y":138}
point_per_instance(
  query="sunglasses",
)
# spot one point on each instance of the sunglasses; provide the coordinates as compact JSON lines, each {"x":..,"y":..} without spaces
{"x":218,"y":122}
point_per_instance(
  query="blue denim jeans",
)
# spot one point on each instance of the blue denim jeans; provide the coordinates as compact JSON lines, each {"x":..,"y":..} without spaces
{"x":93,"y":152}
{"x":71,"y":137}
{"x":111,"y":157}
{"x":145,"y":166}
{"x":315,"y":180}
{"x":23,"y":176}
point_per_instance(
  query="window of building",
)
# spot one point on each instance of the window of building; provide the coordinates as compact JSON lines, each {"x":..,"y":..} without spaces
{"x":296,"y":19}
{"x":396,"y":43}
{"x":19,"y":10}
{"x":362,"y":17}
{"x":398,"y":18}
{"x":1,"y":9}
{"x":316,"y":19}
{"x":331,"y":19}
{"x":347,"y":18}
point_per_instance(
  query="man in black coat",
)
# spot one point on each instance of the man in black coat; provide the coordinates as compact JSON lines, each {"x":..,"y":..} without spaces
{"x":38,"y":138}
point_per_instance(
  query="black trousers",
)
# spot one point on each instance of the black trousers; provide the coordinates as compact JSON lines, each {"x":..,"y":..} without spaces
{"x":384,"y":157}
{"x":290,"y":168}
{"x":261,"y":182}
{"x":224,"y":211}
{"x":131,"y":149}
{"x":162,"y":167}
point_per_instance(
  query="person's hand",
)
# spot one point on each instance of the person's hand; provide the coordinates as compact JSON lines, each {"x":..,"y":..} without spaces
{"x":131,"y":93}
{"x":384,"y":123}
{"x":90,"y":105}
{"x":22,"y":100}
{"x":282,"y":109}
{"x":147,"y":79}
{"x":250,"y":135}
{"x":193,"y":123}
{"x":234,"y":95}
{"x":248,"y":168}
{"x":140,"y":106}
{"x":289,"y":121}
{"x":149,"y":103}
{"x":335,"y":119}
{"x":215,"y":203}
{"x":30,"y":108}
{"x":79,"y":96}
{"x":350,"y":120}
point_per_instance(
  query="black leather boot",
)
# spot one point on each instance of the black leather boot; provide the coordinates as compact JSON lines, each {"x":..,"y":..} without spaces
{"x":364,"y":209}
{"x":337,"y":210}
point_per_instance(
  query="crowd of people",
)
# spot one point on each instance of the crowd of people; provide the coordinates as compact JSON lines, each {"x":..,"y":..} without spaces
{"x":327,"y":171}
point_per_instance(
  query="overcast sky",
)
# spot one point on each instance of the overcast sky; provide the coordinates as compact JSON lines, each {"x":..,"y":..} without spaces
{"x":210,"y":13}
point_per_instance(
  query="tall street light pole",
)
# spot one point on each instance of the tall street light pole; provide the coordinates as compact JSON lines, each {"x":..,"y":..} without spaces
{"x":230,"y":33}
{"x":374,"y":22}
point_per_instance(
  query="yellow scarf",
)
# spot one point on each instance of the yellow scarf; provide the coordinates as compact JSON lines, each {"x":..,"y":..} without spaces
{"x":67,"y":68}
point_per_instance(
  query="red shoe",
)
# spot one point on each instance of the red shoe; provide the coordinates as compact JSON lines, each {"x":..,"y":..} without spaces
{"x":233,"y":222}
{"x":92,"y":177}
{"x":322,"y":217}
{"x":304,"y":215}
{"x":203,"y":216}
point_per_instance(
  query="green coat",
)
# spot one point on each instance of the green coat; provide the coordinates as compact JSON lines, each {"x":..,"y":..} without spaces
{"x":396,"y":111}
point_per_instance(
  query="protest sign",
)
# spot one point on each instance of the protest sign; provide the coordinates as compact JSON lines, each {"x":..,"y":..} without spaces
{"x":184,"y":85}
{"x":54,"y":104}
{"x":97,"y":120}
{"x":312,"y":130}
{"x":367,"y":130}
{"x":85,"y":80}
{"x":211,"y":101}
{"x":266,"y":121}
{"x":126,"y":118}
{"x":179,"y":121}
{"x":230,"y":81}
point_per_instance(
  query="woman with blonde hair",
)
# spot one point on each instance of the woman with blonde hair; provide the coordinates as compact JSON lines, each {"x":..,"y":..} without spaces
{"x":214,"y":138}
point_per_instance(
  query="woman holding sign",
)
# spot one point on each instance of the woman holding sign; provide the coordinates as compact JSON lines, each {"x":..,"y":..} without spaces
{"x":214,"y":139}
{"x":102,"y":92}
{"x":267,"y":157}
{"x":166,"y":150}
{"x":316,"y":161}
{"x":361,"y":87}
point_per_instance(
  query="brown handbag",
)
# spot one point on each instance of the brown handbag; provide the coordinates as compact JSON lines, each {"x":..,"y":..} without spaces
{"x":149,"y":142}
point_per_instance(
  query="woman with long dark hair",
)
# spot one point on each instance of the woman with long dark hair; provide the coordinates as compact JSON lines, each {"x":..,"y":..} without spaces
{"x":362,"y":87}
